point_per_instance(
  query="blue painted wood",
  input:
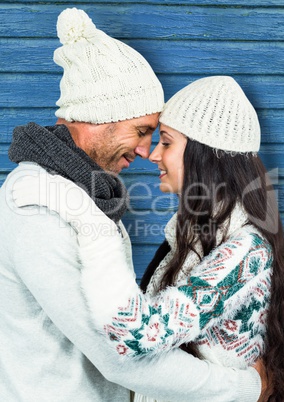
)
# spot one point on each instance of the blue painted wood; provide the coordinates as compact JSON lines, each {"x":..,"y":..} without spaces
{"x":146,"y":229}
{"x":142,"y":255}
{"x":167,"y":56}
{"x":213,"y":57}
{"x":11,"y":117}
{"x":140,"y":21}
{"x":222,"y":3}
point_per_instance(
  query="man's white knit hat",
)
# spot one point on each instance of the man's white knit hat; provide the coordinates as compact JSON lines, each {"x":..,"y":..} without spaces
{"x":214,"y":111}
{"x":104,"y":80}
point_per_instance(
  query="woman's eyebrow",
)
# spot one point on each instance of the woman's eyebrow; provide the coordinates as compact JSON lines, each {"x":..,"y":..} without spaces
{"x":165,"y":133}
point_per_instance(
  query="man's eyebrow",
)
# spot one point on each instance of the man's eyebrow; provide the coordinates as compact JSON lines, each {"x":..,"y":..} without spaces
{"x":148,"y":127}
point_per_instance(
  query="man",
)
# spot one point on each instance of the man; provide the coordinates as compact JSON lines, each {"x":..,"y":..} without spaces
{"x":108,"y":109}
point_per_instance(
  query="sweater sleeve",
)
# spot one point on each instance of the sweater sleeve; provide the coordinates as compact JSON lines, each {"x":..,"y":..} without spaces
{"x":52,"y":271}
{"x":136,"y":324}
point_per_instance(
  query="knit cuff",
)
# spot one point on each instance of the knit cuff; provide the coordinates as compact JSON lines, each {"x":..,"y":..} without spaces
{"x":251,"y":390}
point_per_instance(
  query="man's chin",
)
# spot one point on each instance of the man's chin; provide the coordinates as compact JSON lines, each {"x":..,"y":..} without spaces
{"x":113,"y":171}
{"x":122,"y":164}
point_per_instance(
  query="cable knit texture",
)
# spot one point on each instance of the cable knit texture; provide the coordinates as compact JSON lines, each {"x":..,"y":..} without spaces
{"x":104,"y":79}
{"x":216,"y":112}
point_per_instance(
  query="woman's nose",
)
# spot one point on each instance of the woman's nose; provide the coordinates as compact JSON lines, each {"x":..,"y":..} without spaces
{"x":155,"y":155}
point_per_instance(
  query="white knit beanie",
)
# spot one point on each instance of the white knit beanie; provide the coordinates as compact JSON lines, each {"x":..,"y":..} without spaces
{"x":214,"y":111}
{"x":104,"y":80}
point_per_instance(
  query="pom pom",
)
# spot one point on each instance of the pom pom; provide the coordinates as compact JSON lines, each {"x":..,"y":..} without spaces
{"x":74,"y":25}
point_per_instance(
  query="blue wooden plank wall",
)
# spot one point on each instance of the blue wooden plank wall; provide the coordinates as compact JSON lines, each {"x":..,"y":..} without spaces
{"x":183,"y":41}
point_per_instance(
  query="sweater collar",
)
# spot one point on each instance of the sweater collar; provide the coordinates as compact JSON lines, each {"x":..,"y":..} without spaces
{"x":236,"y":220}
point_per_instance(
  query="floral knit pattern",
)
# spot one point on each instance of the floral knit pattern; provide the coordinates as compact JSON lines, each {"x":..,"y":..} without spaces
{"x":223,"y":301}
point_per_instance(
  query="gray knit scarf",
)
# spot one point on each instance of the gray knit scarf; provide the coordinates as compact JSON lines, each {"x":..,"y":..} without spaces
{"x":54,"y":149}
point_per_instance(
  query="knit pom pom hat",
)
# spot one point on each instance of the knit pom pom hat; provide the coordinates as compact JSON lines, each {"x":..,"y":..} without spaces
{"x":214,"y":111}
{"x":104,"y":80}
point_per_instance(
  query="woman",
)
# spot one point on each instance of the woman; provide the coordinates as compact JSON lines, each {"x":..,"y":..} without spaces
{"x":215,"y":287}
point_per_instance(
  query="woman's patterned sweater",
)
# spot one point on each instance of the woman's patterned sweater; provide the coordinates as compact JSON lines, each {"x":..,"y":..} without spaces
{"x":220,"y":302}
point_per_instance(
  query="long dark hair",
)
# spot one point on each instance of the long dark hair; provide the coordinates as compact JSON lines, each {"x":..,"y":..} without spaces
{"x":211,"y":177}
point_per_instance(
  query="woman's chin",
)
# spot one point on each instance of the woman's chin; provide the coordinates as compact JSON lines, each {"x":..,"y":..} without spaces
{"x":165,"y":188}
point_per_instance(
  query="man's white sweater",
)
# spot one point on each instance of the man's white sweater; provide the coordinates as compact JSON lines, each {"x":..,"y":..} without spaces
{"x":50,"y":350}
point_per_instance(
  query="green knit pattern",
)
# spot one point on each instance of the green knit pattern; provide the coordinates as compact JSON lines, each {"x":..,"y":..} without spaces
{"x":224,"y":301}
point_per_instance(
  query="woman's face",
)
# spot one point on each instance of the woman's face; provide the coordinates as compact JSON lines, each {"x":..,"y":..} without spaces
{"x":168,"y":155}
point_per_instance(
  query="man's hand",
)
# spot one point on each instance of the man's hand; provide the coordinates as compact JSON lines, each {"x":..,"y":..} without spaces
{"x":266,"y":381}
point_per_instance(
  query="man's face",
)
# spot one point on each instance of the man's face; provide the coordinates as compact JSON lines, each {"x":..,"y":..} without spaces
{"x":116,"y":145}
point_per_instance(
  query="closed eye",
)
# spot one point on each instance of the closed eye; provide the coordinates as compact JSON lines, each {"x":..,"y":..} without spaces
{"x":141,"y":133}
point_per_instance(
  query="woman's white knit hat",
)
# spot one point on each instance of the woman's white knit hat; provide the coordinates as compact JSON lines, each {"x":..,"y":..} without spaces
{"x":104,"y":80}
{"x":214,"y":111}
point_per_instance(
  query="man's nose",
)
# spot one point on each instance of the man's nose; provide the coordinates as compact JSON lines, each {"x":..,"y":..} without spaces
{"x":143,"y":148}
